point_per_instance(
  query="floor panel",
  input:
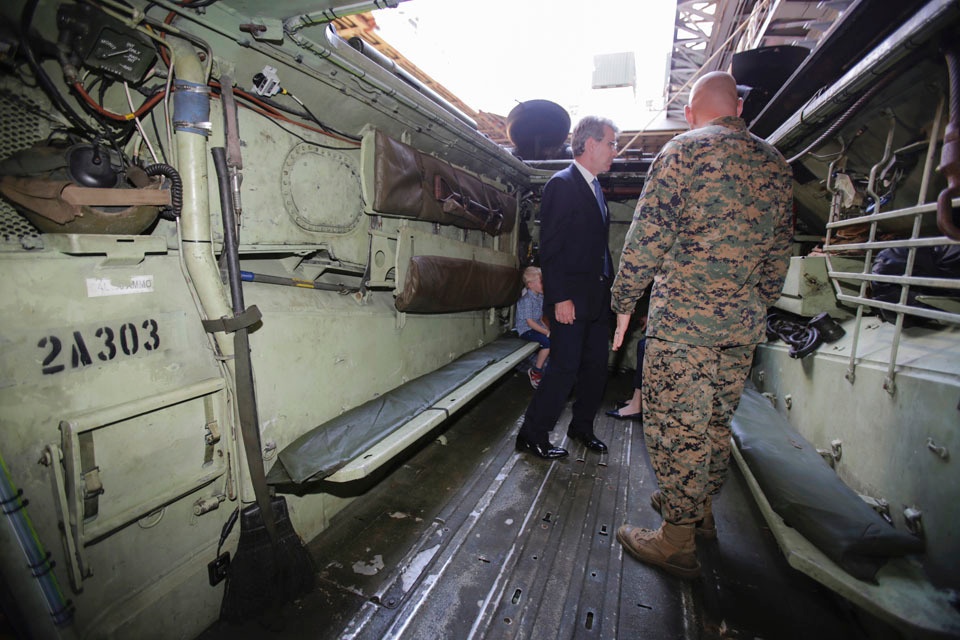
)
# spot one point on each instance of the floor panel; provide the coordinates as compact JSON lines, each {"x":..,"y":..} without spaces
{"x":468,"y":539}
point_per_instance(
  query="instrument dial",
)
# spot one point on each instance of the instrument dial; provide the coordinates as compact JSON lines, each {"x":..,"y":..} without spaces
{"x":121,"y":54}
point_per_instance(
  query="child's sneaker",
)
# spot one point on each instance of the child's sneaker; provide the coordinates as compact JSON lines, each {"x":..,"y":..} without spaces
{"x":534,"y":377}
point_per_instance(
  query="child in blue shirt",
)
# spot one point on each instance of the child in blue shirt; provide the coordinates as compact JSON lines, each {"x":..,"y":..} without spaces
{"x":530,"y":323}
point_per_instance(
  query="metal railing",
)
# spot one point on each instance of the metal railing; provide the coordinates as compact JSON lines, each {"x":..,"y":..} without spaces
{"x":945,"y":309}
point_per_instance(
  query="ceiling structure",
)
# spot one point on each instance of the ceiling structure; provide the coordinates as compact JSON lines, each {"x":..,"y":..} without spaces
{"x":707,"y":35}
{"x":364,"y":26}
{"x":709,"y":32}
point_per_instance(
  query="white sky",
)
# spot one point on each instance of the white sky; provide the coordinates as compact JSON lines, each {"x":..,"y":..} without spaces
{"x":495,"y":54}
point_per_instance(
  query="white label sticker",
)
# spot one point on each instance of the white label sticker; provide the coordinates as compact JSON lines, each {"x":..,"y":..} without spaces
{"x":98,"y":287}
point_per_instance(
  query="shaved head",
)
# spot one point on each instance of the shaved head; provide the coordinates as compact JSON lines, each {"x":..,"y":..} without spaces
{"x":713,"y":96}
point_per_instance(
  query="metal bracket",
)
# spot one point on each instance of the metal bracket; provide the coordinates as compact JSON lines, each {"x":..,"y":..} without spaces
{"x":836,"y":449}
{"x":121,"y":251}
{"x":68,"y":525}
{"x":941,"y":451}
{"x":264,"y":29}
{"x":827,"y":457}
{"x":879,"y":505}
{"x":92,"y":489}
{"x":913,"y":518}
{"x":212,"y":433}
{"x":382,"y":260}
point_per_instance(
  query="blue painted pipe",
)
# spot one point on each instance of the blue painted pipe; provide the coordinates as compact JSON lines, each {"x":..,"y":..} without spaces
{"x":38,"y":560}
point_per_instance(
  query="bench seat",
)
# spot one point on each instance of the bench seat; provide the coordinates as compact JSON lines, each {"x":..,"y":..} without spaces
{"x":828,"y":532}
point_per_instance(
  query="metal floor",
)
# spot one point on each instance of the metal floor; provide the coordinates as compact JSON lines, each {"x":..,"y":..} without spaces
{"x":468,"y":539}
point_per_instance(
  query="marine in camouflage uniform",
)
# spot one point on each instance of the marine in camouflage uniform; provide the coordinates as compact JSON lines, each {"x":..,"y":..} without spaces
{"x":712,"y":231}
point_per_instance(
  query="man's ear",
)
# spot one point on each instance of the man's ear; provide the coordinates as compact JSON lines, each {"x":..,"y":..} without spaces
{"x":739,"y":106}
{"x":688,"y":115}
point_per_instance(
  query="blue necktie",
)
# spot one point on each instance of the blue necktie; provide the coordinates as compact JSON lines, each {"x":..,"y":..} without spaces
{"x":603,"y":216}
{"x":599,"y":195}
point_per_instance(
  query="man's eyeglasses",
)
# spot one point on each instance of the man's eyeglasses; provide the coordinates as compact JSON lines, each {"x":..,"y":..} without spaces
{"x":613,"y":143}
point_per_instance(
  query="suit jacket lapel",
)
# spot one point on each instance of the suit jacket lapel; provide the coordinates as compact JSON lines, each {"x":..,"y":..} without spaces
{"x":586,"y":190}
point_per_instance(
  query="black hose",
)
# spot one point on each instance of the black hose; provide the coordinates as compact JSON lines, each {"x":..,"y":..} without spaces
{"x":801,"y":334}
{"x":227,"y":528}
{"x":830,"y":330}
{"x":176,"y":188}
{"x":843,"y":119}
{"x":231,"y":247}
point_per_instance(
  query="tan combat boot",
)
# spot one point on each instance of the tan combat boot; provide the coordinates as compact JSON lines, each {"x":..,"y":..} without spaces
{"x":706,"y":528}
{"x":671,"y":547}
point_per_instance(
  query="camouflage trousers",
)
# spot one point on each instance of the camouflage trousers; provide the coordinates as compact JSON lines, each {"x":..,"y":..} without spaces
{"x":689,"y":396}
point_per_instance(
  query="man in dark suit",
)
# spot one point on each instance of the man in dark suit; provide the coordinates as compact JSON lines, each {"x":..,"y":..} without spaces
{"x":577,"y":273}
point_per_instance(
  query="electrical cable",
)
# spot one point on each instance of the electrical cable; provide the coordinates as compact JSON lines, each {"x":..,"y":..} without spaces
{"x":295,"y":135}
{"x":305,"y":114}
{"x":271,"y":112}
{"x":26,"y":19}
{"x":272,"y":109}
{"x":143,"y":134}
{"x":196,"y":4}
{"x":125,"y":117}
{"x":313,"y":117}
{"x":802,"y":337}
{"x":176,"y":188}
{"x":845,"y":117}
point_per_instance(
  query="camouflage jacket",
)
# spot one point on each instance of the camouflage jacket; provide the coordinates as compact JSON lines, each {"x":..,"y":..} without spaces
{"x":712,"y":230}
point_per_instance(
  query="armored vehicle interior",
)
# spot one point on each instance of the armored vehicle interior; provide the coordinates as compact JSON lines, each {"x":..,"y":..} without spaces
{"x":258,"y":374}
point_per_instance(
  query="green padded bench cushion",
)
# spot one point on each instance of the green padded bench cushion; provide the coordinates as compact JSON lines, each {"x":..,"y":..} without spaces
{"x":803,"y":490}
{"x":326,"y":448}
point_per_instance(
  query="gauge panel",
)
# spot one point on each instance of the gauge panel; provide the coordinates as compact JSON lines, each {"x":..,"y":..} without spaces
{"x":120,"y":53}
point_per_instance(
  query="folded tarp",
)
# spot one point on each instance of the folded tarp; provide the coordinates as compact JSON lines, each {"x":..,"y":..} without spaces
{"x":326,"y":448}
{"x":803,"y":490}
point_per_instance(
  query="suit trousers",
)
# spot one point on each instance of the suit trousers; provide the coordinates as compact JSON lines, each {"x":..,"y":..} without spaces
{"x":578,"y":363}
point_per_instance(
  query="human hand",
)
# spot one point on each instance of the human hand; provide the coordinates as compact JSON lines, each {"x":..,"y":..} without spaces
{"x":623,"y":321}
{"x":565,"y":312}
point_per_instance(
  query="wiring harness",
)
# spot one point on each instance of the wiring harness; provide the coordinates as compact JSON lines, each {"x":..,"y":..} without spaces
{"x":803,"y":335}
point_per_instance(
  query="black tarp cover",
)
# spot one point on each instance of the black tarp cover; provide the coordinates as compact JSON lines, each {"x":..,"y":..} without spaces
{"x":326,"y":448}
{"x":803,"y":490}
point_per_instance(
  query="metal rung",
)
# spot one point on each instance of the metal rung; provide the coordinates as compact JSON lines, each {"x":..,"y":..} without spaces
{"x":943,"y":283}
{"x":124,"y":411}
{"x":890,"y":244}
{"x":930,"y":207}
{"x":943,"y":316}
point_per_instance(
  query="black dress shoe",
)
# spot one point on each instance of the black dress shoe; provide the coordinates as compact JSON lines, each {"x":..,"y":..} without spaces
{"x":589,"y":441}
{"x":615,"y":413}
{"x":546,"y":450}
